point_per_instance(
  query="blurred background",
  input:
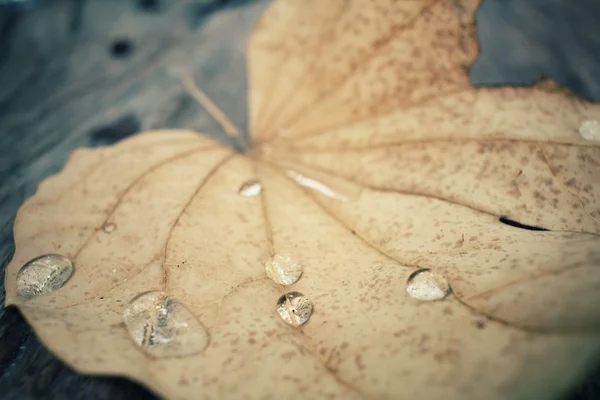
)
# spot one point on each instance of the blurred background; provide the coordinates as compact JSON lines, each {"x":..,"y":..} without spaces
{"x":90,"y":72}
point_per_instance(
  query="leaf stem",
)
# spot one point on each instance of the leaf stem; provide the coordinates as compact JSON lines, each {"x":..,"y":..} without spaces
{"x":215,"y":112}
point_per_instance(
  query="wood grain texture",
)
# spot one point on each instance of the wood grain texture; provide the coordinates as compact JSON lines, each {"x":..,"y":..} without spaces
{"x":61,"y":87}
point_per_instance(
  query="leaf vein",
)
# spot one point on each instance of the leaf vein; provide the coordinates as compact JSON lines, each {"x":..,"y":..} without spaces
{"x":200,"y":186}
{"x":363,"y":61}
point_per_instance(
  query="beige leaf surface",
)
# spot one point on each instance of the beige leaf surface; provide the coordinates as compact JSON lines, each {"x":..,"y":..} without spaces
{"x":372,"y":157}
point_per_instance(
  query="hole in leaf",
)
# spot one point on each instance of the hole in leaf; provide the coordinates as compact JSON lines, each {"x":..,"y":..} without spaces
{"x":516,"y":224}
{"x":121,"y":48}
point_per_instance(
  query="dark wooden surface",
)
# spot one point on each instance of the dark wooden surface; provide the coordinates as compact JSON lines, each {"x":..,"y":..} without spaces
{"x":88,"y":73}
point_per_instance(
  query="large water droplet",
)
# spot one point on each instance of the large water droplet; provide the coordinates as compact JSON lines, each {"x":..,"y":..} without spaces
{"x":294,"y":308}
{"x":283,"y":269}
{"x":43,"y":275}
{"x":590,"y":129}
{"x":163,"y":327}
{"x":250,"y":188}
{"x":426,"y":285}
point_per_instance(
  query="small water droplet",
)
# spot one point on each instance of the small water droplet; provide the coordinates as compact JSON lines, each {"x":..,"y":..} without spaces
{"x":250,"y":188}
{"x":590,"y":129}
{"x":283,"y":269}
{"x":294,"y":308}
{"x":426,"y":285}
{"x":109,"y":228}
{"x":164,"y":327}
{"x":43,"y":275}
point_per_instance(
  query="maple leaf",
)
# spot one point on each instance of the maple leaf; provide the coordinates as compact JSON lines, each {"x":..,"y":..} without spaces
{"x":377,"y":178}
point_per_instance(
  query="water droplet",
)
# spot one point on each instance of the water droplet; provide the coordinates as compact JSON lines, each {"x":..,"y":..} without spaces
{"x":326,"y":184}
{"x":43,"y":275}
{"x":317,"y":185}
{"x":164,"y":327}
{"x":250,"y":188}
{"x":294,"y":308}
{"x":426,"y":285}
{"x":109,"y":228}
{"x":590,"y":129}
{"x":283,"y":269}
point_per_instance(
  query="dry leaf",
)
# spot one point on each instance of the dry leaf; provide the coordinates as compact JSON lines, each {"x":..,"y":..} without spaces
{"x":372,"y":158}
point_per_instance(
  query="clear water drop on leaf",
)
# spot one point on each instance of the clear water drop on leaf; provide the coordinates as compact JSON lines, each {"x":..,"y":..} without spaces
{"x":109,"y":228}
{"x":283,"y":269}
{"x":250,"y":188}
{"x":164,"y":327}
{"x":294,"y":308}
{"x":43,"y":275}
{"x":590,"y":129}
{"x":427,"y":285}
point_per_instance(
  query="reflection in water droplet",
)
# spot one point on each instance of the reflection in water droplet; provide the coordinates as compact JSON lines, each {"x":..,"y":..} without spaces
{"x":109,"y":228}
{"x":43,"y":275}
{"x":294,"y":308}
{"x":283,"y":269}
{"x":314,"y":184}
{"x":164,"y":327}
{"x":590,"y":129}
{"x":426,"y":285}
{"x":250,"y":188}
{"x":325,"y":183}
